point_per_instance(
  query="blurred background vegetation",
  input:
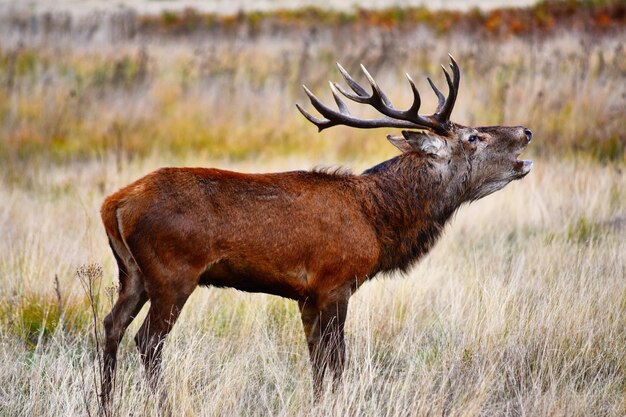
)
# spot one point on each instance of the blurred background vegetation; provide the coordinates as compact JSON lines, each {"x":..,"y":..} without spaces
{"x":125,"y":84}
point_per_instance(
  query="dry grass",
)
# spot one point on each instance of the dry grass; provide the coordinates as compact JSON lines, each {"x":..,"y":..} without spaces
{"x":519,"y":310}
{"x":233,"y":95}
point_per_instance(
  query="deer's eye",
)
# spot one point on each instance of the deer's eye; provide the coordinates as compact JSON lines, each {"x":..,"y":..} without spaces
{"x":473,"y":138}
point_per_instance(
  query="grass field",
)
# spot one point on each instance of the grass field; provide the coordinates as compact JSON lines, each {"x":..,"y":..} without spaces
{"x":520,"y":310}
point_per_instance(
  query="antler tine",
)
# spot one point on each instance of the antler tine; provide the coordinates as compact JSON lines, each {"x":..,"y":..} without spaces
{"x":351,"y":96}
{"x":417,"y":100}
{"x":361,"y":92}
{"x":320,"y":123}
{"x":453,"y":89}
{"x":377,"y":94}
{"x":440,"y":97}
{"x":319,"y":106}
{"x":376,"y":98}
{"x":361,"y":96}
{"x":340,"y":104}
{"x":324,"y":110}
{"x":450,"y":86}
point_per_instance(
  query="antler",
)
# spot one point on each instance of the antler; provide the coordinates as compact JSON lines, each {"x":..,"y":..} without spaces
{"x":409,"y":118}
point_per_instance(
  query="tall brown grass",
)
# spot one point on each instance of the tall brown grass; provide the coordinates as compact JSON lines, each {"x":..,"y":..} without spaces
{"x":520,"y":310}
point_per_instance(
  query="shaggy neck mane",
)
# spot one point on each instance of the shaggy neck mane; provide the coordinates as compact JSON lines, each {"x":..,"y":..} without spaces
{"x":409,"y":202}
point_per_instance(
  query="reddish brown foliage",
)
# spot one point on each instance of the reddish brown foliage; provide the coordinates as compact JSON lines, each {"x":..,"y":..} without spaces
{"x":543,"y":18}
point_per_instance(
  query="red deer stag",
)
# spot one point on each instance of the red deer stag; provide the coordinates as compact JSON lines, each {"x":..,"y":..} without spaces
{"x":314,"y":237}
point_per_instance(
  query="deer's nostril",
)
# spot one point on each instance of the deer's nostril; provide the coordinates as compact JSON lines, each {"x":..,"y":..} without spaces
{"x":528,"y":133}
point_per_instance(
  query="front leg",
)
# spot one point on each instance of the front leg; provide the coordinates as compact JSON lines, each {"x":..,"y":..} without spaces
{"x":324,"y":331}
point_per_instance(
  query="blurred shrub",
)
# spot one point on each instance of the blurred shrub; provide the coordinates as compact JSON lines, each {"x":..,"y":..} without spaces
{"x":544,"y":17}
{"x":35,"y":318}
{"x":232,"y":96}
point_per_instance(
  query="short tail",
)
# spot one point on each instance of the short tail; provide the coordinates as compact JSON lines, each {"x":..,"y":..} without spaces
{"x":108,"y":212}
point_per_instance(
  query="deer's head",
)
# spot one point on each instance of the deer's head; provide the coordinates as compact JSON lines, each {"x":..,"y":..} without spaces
{"x":477,"y":160}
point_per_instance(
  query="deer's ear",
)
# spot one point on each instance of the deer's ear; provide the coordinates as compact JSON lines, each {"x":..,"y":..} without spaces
{"x":400,"y":142}
{"x":424,"y":142}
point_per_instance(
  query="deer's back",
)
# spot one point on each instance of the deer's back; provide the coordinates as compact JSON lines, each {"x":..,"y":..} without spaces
{"x":284,"y":233}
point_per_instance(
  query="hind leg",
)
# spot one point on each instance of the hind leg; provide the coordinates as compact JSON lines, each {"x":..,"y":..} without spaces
{"x":132,"y":296}
{"x":166,"y":305}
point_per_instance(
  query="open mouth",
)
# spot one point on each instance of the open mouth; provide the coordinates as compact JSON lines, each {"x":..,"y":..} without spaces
{"x":522,"y":166}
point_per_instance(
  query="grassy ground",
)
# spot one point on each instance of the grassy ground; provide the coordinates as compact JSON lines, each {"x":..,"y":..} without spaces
{"x":519,"y":310}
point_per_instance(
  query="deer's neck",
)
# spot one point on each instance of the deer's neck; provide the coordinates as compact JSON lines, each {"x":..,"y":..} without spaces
{"x":408,"y":200}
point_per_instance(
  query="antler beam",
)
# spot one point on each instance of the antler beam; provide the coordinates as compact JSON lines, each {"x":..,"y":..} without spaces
{"x":409,"y":118}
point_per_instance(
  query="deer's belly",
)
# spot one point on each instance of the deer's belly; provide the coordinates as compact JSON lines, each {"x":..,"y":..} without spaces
{"x":259,"y":278}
